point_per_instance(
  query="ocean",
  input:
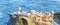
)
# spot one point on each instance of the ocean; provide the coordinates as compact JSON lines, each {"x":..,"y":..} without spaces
{"x":10,"y":6}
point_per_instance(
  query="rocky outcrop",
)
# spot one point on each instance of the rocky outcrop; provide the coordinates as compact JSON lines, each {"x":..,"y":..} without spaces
{"x":32,"y":18}
{"x":12,"y":20}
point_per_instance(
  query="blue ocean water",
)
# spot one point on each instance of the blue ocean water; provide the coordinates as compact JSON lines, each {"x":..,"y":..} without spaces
{"x":10,"y":6}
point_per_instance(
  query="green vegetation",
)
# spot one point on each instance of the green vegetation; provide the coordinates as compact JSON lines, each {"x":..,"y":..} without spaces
{"x":29,"y":21}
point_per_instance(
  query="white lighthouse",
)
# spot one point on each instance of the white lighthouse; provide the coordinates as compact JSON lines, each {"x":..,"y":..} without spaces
{"x":19,"y":10}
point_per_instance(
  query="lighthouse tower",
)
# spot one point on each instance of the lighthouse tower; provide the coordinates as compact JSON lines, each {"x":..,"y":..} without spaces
{"x":19,"y":10}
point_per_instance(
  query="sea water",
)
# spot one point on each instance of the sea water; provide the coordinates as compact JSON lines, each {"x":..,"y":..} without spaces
{"x":10,"y":6}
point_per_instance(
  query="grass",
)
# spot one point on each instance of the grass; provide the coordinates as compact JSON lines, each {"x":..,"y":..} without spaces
{"x":19,"y":22}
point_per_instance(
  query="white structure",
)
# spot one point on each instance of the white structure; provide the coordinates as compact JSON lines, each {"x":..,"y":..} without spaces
{"x":20,"y":8}
{"x":33,"y":12}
